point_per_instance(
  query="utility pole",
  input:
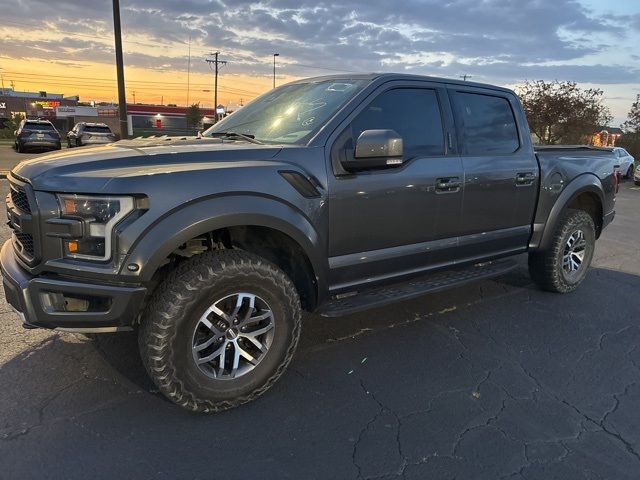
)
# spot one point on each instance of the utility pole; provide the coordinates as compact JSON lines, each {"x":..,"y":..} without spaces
{"x":134,"y":97}
{"x":122,"y":99}
{"x":216,"y":68}
{"x":274,"y":68}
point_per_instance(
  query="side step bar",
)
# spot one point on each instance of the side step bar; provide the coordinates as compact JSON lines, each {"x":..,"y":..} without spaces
{"x":434,"y":282}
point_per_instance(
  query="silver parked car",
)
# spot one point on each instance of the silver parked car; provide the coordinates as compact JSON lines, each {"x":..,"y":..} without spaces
{"x":84,"y":133}
{"x":626,"y":162}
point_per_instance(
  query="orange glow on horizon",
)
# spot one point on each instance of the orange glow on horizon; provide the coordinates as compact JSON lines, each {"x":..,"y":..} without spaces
{"x":93,"y":81}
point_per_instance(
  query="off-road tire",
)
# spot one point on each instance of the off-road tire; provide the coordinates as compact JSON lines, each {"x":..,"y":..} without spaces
{"x":629,"y":174}
{"x":166,"y":332}
{"x":545,"y":267}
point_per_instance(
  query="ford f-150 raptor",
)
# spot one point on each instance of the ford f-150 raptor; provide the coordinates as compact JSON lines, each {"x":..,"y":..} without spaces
{"x":328,"y":195}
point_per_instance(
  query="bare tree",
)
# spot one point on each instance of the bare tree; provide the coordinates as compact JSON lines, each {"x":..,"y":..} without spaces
{"x":562,"y":112}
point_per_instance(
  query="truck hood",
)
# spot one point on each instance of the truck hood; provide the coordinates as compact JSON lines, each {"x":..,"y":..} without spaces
{"x":88,"y":170}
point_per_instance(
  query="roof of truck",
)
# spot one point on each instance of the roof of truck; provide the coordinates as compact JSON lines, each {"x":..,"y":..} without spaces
{"x":401,"y":76}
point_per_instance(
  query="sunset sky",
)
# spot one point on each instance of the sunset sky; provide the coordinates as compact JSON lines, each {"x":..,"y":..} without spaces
{"x":66,"y":46}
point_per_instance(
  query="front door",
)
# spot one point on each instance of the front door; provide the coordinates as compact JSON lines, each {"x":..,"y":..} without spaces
{"x":398,"y":221}
{"x":500,"y":174}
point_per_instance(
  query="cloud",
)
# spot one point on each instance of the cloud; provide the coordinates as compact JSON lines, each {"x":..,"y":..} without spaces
{"x":498,"y":40}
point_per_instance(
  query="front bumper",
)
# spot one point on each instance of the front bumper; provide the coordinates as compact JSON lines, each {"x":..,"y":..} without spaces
{"x":28,"y":295}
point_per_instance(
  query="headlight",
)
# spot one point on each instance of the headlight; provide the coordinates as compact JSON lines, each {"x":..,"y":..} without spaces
{"x":100,"y":215}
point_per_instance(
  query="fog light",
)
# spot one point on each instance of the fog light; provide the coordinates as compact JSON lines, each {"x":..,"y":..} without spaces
{"x":58,"y":302}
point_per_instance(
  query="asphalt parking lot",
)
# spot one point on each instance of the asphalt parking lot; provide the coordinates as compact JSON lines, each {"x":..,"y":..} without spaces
{"x":492,"y":380}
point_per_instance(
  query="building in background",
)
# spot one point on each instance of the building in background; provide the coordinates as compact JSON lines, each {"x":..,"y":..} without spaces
{"x":32,"y":104}
{"x":65,"y":112}
{"x":606,"y":137}
{"x":147,"y":120}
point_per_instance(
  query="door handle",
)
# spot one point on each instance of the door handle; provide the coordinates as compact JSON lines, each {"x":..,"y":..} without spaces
{"x":525,"y":179}
{"x":447,"y":185}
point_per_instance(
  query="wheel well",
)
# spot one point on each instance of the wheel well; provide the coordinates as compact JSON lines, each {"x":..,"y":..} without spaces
{"x":272,"y":245}
{"x":590,"y":203}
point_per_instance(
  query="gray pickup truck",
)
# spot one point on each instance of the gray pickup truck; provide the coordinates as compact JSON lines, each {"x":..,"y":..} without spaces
{"x":328,"y":195}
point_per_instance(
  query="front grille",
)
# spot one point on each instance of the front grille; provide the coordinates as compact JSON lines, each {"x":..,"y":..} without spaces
{"x":25,"y":243}
{"x":19,"y":198}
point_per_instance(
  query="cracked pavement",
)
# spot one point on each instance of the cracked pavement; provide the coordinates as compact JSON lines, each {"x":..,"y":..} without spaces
{"x":491,"y":380}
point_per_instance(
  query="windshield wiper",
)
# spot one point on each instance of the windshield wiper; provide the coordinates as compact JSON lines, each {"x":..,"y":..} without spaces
{"x":245,"y":137}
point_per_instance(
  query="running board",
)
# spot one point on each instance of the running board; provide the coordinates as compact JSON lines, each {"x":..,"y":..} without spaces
{"x":434,"y":282}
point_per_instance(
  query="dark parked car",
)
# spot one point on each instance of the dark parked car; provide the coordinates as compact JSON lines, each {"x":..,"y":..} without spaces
{"x":37,"y":134}
{"x":329,"y":195}
{"x":84,"y":133}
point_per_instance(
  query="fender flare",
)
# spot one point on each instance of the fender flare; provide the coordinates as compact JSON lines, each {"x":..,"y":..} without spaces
{"x":586,"y":183}
{"x":210,"y":214}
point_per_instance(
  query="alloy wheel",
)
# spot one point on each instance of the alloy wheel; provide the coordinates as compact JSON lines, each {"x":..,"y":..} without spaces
{"x":574,"y":252}
{"x":233,"y":336}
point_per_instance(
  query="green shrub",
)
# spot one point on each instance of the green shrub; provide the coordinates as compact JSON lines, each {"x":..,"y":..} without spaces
{"x":7,"y":133}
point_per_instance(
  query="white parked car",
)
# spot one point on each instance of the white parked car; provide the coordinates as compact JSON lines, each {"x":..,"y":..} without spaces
{"x":626,"y":162}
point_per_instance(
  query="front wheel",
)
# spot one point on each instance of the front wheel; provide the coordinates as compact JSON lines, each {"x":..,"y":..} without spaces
{"x":220,"y":330}
{"x":563,"y":267}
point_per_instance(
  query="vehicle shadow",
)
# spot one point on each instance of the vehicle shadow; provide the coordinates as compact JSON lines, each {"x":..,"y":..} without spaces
{"x":375,"y":392}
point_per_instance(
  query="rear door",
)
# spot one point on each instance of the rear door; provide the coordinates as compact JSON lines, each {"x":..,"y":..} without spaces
{"x":397,"y":221}
{"x":500,"y":173}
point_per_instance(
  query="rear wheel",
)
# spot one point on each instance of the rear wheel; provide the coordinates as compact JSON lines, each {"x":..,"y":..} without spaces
{"x":220,"y":330}
{"x":563,"y":267}
{"x":630,"y":172}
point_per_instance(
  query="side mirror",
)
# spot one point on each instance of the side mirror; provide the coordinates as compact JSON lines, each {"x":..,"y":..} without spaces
{"x":376,"y":149}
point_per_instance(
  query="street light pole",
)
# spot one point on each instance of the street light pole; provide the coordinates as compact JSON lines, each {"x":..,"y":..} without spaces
{"x":274,"y":68}
{"x":122,"y":99}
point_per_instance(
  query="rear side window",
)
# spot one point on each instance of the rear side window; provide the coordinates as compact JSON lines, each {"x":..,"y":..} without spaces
{"x":487,"y":124}
{"x":414,"y":113}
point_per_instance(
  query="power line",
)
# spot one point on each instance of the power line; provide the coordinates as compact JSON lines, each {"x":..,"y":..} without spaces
{"x":107,"y":82}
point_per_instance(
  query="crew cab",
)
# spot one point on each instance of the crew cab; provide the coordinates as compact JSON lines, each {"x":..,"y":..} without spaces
{"x":329,"y":195}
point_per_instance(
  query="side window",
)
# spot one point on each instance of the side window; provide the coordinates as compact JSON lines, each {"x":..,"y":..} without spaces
{"x":487,"y":124}
{"x":414,"y":113}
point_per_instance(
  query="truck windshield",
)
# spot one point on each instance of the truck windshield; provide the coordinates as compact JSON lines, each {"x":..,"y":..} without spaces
{"x":289,"y":114}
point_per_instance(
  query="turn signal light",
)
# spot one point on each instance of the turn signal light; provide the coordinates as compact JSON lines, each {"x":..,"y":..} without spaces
{"x":72,"y":246}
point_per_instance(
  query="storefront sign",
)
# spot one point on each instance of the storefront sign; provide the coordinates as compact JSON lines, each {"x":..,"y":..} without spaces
{"x":81,"y":111}
{"x":47,"y":103}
